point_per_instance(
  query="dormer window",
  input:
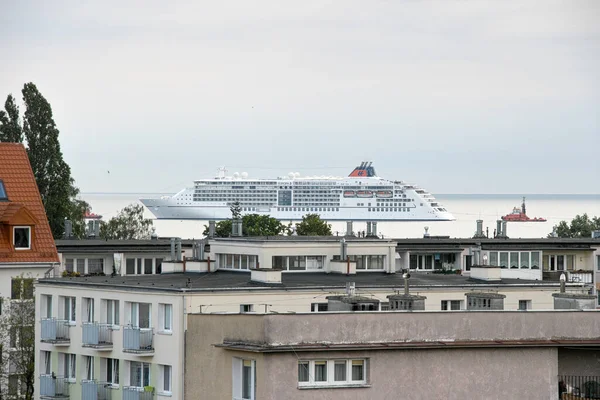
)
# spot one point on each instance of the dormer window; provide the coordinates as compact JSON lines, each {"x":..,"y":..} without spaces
{"x":3,"y":195}
{"x":22,"y":237}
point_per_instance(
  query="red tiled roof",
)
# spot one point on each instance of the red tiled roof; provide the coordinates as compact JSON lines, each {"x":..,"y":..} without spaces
{"x":24,"y":204}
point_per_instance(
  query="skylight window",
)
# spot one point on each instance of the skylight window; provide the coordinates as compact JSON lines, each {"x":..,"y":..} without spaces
{"x":3,"y":195}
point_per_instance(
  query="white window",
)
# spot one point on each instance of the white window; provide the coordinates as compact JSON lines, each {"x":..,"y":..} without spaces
{"x":139,"y":374}
{"x":318,"y":307}
{"x":451,"y":305}
{"x":166,"y":378}
{"x":46,"y":306}
{"x":524,"y":305}
{"x":88,"y":373}
{"x":112,"y":371}
{"x":69,"y":366}
{"x":46,"y":363}
{"x":331,"y":373}
{"x":140,"y":315}
{"x":88,"y":310}
{"x":22,"y":237}
{"x":112,"y":312}
{"x":244,"y":383}
{"x":246,"y":308}
{"x":166,"y":317}
{"x":69,"y":307}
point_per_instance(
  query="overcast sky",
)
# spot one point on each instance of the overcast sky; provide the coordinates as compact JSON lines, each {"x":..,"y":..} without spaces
{"x":456,"y":96}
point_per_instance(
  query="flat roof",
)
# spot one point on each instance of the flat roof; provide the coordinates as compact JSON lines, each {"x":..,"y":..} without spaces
{"x":405,"y":345}
{"x":232,"y":280}
{"x":99,"y":245}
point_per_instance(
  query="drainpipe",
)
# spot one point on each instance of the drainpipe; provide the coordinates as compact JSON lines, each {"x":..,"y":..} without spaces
{"x":347,"y":265}
{"x":208,"y":261}
{"x":183,"y":264}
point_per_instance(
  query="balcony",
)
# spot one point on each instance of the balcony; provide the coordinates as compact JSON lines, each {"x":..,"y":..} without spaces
{"x":138,"y":340}
{"x":579,"y":387}
{"x":97,"y":336}
{"x":94,"y":390}
{"x":137,"y":393}
{"x":53,"y":387}
{"x":55,"y":331}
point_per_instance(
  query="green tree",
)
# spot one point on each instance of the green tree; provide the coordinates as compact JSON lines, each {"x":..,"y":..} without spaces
{"x":128,"y":224}
{"x":52,"y":173}
{"x":10,"y":128}
{"x":252,"y":225}
{"x":17,"y":324}
{"x":580,"y":227}
{"x":313,"y":225}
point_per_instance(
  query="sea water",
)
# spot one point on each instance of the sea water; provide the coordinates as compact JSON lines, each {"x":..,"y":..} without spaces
{"x":466,"y":208}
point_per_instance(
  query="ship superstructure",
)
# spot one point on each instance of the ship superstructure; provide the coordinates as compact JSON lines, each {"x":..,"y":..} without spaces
{"x":361,"y":196}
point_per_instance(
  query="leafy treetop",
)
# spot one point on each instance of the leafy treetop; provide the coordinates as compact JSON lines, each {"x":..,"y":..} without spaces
{"x":313,"y":225}
{"x":128,"y":224}
{"x":580,"y":227}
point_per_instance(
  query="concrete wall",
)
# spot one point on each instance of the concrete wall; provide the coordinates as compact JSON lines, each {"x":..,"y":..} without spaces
{"x":457,"y":373}
{"x":425,"y":374}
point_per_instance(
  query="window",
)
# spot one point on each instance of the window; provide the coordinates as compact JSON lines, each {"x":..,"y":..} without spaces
{"x":246,"y":308}
{"x":69,"y":309}
{"x":45,"y":366}
{"x":69,"y":366}
{"x":22,"y":237}
{"x":69,"y":264}
{"x":166,"y":317}
{"x":88,"y":310}
{"x":46,"y":306}
{"x":244,"y":383}
{"x":524,"y":305}
{"x":159,"y":265}
{"x":140,"y":315}
{"x":112,"y":371}
{"x":89,"y":368}
{"x":112,"y":312}
{"x":318,"y":307}
{"x":451,"y":305}
{"x":3,"y":195}
{"x":331,"y":373}
{"x":166,"y":374}
{"x":21,"y":289}
{"x":148,"y":266}
{"x":139,"y":374}
{"x":95,"y":265}
{"x":130,"y":266}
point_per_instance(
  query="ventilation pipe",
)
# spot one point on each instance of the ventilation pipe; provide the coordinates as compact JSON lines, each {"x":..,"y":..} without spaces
{"x":343,"y":249}
{"x":350,"y":288}
{"x":374,"y":228}
{"x":349,"y":231}
{"x":406,"y":277}
{"x":211,"y":229}
{"x":178,"y":249}
{"x":369,"y":229}
{"x":563,"y":279}
{"x":504,"y":224}
{"x":68,"y":229}
{"x":499,"y":228}
{"x":236,"y":227}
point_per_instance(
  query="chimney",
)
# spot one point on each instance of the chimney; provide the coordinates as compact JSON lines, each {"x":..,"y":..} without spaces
{"x":349,"y":231}
{"x":343,"y":249}
{"x":504,"y":234}
{"x":236,"y":227}
{"x":485,"y":301}
{"x":211,"y":229}
{"x":499,"y":228}
{"x":350,"y":288}
{"x":479,"y":232}
{"x":426,"y":234}
{"x":68,"y":229}
{"x":369,"y":229}
{"x":178,"y":249}
{"x":374,"y":229}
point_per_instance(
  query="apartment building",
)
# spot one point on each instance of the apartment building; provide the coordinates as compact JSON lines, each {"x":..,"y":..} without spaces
{"x":391,"y":355}
{"x":27,"y":249}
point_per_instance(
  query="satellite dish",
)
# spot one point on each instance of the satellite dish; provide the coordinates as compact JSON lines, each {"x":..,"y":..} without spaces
{"x":236,"y":175}
{"x":244,"y":175}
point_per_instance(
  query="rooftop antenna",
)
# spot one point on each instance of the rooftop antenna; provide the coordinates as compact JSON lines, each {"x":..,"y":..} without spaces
{"x":523,"y":206}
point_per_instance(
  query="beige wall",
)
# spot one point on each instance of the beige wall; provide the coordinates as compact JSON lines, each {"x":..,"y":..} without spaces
{"x":457,"y":373}
{"x":426,"y":374}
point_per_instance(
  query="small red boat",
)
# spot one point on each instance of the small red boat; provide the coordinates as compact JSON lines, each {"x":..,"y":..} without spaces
{"x":519,"y":215}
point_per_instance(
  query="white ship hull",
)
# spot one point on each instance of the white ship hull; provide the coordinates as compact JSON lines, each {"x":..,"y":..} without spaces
{"x":360,"y":197}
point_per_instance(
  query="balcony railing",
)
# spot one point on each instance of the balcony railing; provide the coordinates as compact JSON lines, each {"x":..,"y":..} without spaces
{"x":53,"y":387}
{"x":94,"y":390}
{"x":138,"y":340}
{"x":137,"y":393}
{"x":55,"y":331}
{"x":572,"y":387}
{"x":97,"y":335}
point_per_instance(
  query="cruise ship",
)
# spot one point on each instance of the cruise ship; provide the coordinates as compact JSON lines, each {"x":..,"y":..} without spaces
{"x":361,"y":196}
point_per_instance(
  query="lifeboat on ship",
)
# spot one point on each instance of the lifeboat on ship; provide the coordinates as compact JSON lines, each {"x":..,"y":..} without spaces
{"x":349,"y":193}
{"x":386,"y":194}
{"x":520,"y":215}
{"x":364,"y":193}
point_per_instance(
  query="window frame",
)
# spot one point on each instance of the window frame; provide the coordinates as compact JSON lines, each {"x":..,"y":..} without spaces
{"x":167,"y":375}
{"x":112,"y":365}
{"x":72,"y":309}
{"x":112,"y":318}
{"x":330,"y":376}
{"x":166,"y":317}
{"x":238,"y":378}
{"x":29,"y":230}
{"x":250,"y":308}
